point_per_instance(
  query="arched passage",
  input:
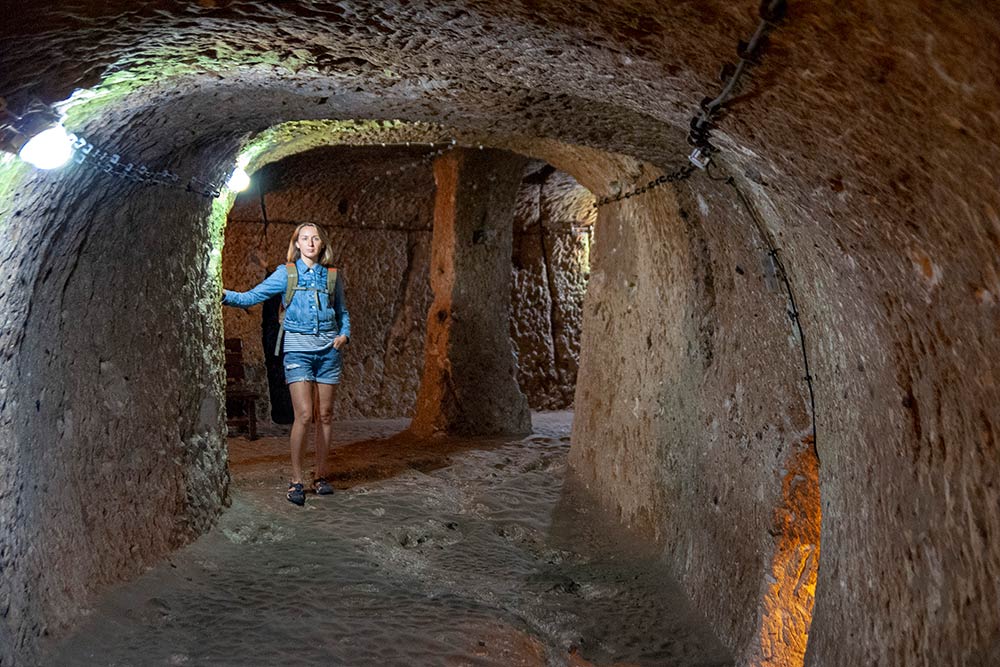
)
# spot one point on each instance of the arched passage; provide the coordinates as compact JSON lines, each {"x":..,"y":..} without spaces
{"x":378,"y":201}
{"x":381,"y":236}
{"x":892,"y":249}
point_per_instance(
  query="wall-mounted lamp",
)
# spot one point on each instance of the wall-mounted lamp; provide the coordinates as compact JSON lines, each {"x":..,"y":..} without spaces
{"x":239,"y":180}
{"x":37,"y":137}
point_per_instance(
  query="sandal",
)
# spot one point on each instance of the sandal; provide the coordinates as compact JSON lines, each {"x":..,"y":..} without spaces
{"x":322,"y":487}
{"x":296,"y":495}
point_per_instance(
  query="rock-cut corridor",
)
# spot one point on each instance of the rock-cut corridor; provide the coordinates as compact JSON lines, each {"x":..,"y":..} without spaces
{"x":753,"y":248}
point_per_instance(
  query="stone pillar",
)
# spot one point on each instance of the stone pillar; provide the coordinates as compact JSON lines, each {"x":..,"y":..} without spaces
{"x":469,"y":383}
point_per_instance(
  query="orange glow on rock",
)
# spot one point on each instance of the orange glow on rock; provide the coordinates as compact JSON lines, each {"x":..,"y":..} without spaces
{"x":790,"y":591}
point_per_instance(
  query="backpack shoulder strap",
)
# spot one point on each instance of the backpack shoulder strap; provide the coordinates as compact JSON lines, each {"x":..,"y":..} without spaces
{"x":331,"y":282}
{"x":293,"y":282}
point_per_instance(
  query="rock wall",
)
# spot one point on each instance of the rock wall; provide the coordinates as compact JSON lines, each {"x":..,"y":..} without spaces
{"x":892,"y":236}
{"x":553,"y":233}
{"x":468,"y":347}
{"x":690,"y":405}
{"x":112,"y":445}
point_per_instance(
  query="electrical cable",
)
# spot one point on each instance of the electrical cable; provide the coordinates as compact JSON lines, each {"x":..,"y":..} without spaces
{"x":263,"y":205}
{"x":793,"y":312}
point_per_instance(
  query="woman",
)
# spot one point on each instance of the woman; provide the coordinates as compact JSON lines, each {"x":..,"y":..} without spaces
{"x":316,"y":327}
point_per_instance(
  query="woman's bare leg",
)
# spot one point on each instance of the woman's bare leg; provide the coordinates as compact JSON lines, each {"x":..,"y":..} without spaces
{"x":326,"y":393}
{"x":302,"y":404}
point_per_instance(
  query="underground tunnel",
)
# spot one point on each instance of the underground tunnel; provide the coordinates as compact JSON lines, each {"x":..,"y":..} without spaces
{"x":783,"y":376}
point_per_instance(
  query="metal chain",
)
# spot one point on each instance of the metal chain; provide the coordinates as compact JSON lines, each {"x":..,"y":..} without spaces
{"x":771,"y":13}
{"x":89,"y":155}
{"x":424,"y":159}
{"x":679,"y":175}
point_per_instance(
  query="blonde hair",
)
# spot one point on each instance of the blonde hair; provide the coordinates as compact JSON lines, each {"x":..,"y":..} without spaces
{"x":326,"y":259}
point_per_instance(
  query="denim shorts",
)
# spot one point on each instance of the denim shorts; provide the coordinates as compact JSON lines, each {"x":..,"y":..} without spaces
{"x":323,"y":366}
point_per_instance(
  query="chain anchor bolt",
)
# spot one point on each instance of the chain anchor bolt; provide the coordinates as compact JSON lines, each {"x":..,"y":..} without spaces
{"x":701,"y":156}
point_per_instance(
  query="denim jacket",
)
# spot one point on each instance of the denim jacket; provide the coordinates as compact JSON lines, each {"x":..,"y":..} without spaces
{"x":309,"y":311}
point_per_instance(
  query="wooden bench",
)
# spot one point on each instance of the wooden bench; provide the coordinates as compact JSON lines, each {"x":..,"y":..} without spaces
{"x":241,"y":403}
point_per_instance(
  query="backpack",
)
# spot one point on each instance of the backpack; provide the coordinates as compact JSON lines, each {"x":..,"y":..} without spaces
{"x":293,"y":287}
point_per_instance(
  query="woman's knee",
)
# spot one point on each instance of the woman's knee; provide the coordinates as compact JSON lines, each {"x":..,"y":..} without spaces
{"x":326,"y":415}
{"x":304,"y":416}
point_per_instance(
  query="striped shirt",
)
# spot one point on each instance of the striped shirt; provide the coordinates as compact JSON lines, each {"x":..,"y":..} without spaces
{"x":308,"y":342}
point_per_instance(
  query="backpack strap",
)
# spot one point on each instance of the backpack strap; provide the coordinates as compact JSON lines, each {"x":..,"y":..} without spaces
{"x":293,"y":282}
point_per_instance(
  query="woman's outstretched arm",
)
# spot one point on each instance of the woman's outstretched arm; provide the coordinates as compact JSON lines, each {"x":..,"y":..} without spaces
{"x":276,"y":283}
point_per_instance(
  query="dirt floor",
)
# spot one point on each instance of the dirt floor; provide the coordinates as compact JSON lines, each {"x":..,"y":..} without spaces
{"x":452,"y":552}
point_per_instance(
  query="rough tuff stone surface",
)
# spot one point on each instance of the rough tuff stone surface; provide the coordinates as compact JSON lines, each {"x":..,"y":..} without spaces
{"x":553,"y":224}
{"x":866,"y":140}
{"x":689,"y":395}
{"x":469,"y":384}
{"x":113,"y":446}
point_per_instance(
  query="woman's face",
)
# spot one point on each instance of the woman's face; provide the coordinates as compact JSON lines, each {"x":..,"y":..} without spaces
{"x":309,"y":243}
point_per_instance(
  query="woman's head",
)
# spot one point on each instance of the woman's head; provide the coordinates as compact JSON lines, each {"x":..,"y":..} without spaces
{"x":310,"y":241}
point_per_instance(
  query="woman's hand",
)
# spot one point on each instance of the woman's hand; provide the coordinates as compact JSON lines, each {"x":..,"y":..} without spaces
{"x":339,"y":342}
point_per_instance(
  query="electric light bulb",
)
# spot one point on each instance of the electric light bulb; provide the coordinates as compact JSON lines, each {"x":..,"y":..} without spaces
{"x":239,"y":180}
{"x":50,"y":149}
